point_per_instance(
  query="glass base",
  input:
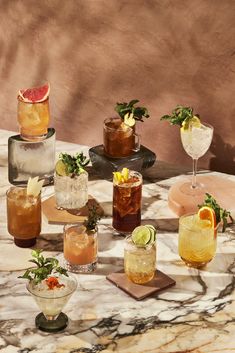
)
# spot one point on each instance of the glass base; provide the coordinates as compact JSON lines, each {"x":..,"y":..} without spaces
{"x":25,"y":243}
{"x":51,"y":325}
{"x":105,"y":166}
{"x":195,"y":264}
{"x":31,"y":158}
{"x":187,"y":189}
{"x":33,"y":138}
{"x":80,"y":268}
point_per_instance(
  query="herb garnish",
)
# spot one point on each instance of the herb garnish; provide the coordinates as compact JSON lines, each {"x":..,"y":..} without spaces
{"x":179,"y":115}
{"x":128,"y":108}
{"x":45,"y":267}
{"x":220,"y":213}
{"x":74,"y":164}
{"x":93,"y":218}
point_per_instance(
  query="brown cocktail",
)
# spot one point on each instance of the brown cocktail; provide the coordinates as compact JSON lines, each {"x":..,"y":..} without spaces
{"x":23,"y":216}
{"x":119,"y":138}
{"x":127,"y":192}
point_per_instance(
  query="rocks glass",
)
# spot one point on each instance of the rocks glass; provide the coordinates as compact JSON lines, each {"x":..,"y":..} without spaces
{"x":33,"y":119}
{"x":51,"y":302}
{"x":139,"y":261}
{"x":120,"y":140}
{"x":197,"y":242}
{"x":71,"y":192}
{"x":23,"y":216}
{"x":80,"y":248}
{"x":127,"y":203}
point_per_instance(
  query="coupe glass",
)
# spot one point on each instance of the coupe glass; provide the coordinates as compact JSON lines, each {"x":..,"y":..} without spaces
{"x":51,"y":302}
{"x":196,"y":142}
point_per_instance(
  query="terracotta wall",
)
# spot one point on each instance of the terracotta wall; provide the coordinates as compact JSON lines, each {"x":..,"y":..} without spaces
{"x":97,"y":52}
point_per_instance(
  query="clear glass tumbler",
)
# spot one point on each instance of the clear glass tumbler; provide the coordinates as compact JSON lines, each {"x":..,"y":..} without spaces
{"x":197,"y":241}
{"x":23,"y":216}
{"x":80,"y":248}
{"x":120,"y":140}
{"x":139,"y":261}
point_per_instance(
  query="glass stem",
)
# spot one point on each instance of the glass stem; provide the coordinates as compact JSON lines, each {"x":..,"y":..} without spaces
{"x":194,"y":184}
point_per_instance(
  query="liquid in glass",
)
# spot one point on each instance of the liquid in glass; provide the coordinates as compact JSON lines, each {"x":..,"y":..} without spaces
{"x":80,"y":248}
{"x":139,"y":261}
{"x":23,"y":216}
{"x":127,"y":203}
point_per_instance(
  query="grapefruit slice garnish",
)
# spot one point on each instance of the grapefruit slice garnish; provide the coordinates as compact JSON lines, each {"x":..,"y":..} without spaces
{"x":36,"y":94}
{"x":207,"y":214}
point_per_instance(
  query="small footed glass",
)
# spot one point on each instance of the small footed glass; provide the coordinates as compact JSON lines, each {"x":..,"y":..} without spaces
{"x":139,"y":261}
{"x":80,"y":248}
{"x":51,"y":302}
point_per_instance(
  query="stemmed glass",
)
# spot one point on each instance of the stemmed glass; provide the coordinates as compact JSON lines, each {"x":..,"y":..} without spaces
{"x":196,"y":141}
{"x":51,"y":303}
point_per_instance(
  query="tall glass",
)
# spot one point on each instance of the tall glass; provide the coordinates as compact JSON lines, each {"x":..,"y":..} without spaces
{"x":139,"y":261}
{"x":33,"y":119}
{"x":51,"y":302}
{"x":197,"y":241}
{"x":120,"y":140}
{"x":196,"y":141}
{"x":127,"y":203}
{"x":80,"y":248}
{"x":71,"y":192}
{"x":23,"y":216}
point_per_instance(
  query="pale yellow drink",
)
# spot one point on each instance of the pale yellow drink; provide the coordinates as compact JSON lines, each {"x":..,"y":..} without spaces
{"x":197,"y":240}
{"x":139,"y":261}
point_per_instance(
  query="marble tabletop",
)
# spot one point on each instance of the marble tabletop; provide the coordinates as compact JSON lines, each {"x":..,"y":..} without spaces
{"x":196,"y":315}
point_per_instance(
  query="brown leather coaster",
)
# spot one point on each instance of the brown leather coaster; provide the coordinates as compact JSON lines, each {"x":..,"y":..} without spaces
{"x":141,"y":291}
{"x":55,"y":216}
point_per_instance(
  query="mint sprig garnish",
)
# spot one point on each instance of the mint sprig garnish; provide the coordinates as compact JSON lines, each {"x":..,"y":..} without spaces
{"x":74,"y":164}
{"x":179,"y":115}
{"x":221,"y":214}
{"x":129,"y":108}
{"x":45,"y":267}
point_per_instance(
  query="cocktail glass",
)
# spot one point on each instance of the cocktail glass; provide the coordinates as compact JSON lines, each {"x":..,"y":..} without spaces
{"x":80,"y":248}
{"x":120,"y":140}
{"x":23,"y":216}
{"x":51,"y":302}
{"x":71,"y":192}
{"x":127,"y":203}
{"x":33,"y":119}
{"x":196,"y":141}
{"x":139,"y":261}
{"x":197,"y":240}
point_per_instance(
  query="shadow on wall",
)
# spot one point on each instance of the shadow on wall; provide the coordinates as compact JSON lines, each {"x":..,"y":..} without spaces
{"x":224,"y":156}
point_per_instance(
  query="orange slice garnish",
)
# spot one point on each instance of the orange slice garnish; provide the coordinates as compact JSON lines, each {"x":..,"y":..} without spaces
{"x":208,"y":214}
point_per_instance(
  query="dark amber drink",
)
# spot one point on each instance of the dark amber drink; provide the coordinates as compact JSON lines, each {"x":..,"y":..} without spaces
{"x":23,"y":216}
{"x":119,"y":138}
{"x":127,"y":203}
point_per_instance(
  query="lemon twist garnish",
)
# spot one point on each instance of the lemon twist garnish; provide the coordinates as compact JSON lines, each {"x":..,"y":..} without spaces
{"x":129,"y":119}
{"x":191,"y":122}
{"x":121,"y":177}
{"x":34,"y":186}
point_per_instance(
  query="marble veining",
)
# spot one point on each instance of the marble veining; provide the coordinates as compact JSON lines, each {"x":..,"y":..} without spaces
{"x":197,"y":315}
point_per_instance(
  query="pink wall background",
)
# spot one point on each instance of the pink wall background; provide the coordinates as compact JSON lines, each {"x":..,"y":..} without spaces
{"x":97,"y":52}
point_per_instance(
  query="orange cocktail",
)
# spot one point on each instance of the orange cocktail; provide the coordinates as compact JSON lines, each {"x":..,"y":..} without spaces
{"x":80,"y":248}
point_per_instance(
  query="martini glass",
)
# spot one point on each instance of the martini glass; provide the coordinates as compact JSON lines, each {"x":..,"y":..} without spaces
{"x":196,"y":141}
{"x":51,"y":302}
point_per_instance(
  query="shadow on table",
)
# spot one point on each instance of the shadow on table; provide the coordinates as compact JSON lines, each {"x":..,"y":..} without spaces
{"x":50,"y":242}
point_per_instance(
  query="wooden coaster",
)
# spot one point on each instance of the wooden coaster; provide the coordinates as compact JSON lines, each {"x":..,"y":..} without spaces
{"x":55,"y":216}
{"x":141,"y":291}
